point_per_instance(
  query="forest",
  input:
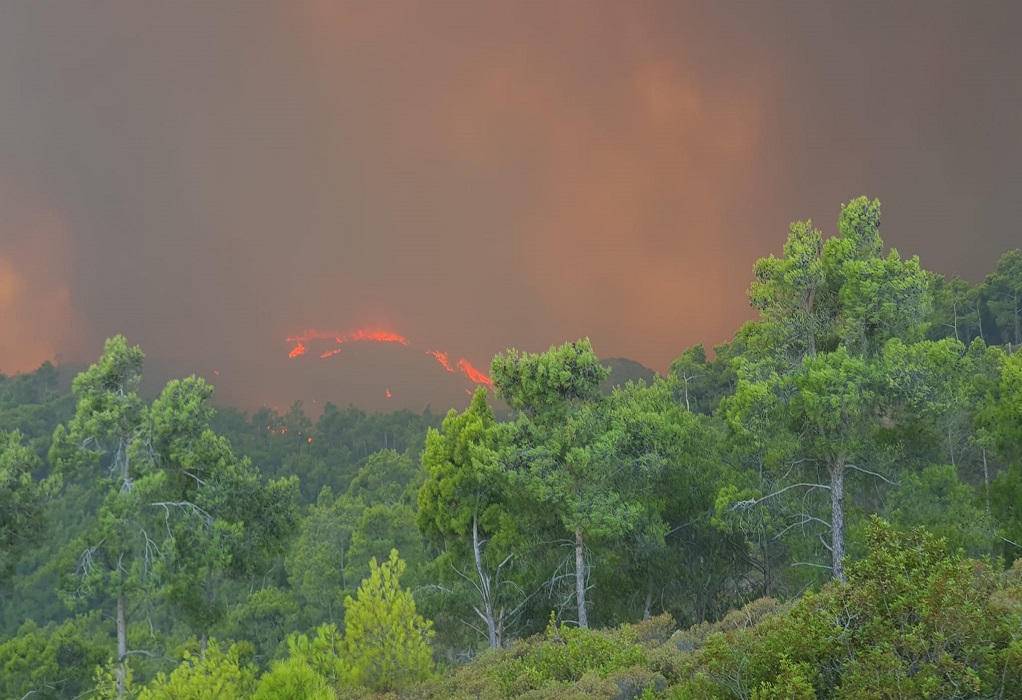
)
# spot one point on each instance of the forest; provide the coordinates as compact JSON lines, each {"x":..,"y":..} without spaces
{"x":829,"y":505}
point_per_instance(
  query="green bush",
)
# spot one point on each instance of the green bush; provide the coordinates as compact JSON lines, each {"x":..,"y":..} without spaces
{"x":567,"y":654}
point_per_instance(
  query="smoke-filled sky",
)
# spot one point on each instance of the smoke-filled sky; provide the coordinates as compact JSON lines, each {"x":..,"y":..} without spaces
{"x":211,"y":178}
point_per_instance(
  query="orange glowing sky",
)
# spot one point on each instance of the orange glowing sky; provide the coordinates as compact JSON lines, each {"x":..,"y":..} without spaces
{"x":210,"y":179}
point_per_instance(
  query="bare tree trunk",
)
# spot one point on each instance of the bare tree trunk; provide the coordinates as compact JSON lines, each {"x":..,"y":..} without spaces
{"x":837,"y":517}
{"x":986,"y":479}
{"x":649,"y":599}
{"x":122,"y":646}
{"x":484,"y":586}
{"x":580,"y":579}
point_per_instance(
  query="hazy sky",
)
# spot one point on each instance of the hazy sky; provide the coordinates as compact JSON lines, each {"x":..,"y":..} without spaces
{"x":211,"y":178}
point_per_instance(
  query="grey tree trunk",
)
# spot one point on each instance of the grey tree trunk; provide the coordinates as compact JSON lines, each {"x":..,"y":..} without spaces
{"x":837,"y":518}
{"x":485,"y":590}
{"x":649,"y":600}
{"x":580,"y":579}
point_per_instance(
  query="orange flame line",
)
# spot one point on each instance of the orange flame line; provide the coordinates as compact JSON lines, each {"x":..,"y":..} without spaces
{"x":474,"y":374}
{"x":441,"y":357}
{"x":379,"y":336}
{"x":362,"y":334}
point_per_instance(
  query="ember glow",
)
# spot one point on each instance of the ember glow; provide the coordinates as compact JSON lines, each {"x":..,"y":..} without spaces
{"x":378,"y":336}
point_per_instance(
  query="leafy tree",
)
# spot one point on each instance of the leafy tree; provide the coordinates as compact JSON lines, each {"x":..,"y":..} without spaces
{"x":119,"y":556}
{"x":819,"y":419}
{"x":556,"y":455}
{"x":386,"y":478}
{"x":787,"y":292}
{"x":179,"y":508}
{"x":912,"y":621}
{"x":293,"y":679}
{"x":55,"y":660}
{"x":227,"y":521}
{"x":668,"y":467}
{"x":957,"y":309}
{"x":693,"y":373}
{"x":21,"y":521}
{"x":1003,"y":418}
{"x":386,"y":640}
{"x":463,"y":510}
{"x":217,"y":675}
{"x":379,"y":529}
{"x":324,"y":653}
{"x":806,"y":401}
{"x":317,"y":560}
{"x":1003,"y":291}
{"x":936,"y":500}
{"x":264,"y":618}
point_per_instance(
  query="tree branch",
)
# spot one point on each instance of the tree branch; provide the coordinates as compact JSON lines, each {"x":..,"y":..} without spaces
{"x":867,"y":471}
{"x":744,"y":505}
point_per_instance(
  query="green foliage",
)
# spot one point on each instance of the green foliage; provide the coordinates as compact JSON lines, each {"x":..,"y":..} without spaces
{"x":387,"y":478}
{"x":317,"y":559}
{"x":324,"y":653}
{"x":55,"y":661}
{"x":464,"y":509}
{"x":936,"y":500}
{"x":21,"y":498}
{"x":295,"y":680}
{"x":912,"y":621}
{"x":264,"y":618}
{"x":379,"y":529}
{"x":1003,"y":291}
{"x":565,"y":657}
{"x":386,"y":640}
{"x":545,"y":386}
{"x":214,"y":676}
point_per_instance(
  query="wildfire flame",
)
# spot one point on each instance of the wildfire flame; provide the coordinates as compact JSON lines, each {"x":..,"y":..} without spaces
{"x":441,"y":357}
{"x":378,"y":336}
{"x":472,"y":373}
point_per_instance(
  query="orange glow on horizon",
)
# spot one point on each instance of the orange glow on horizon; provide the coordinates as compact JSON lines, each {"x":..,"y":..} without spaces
{"x":388,"y":393}
{"x":329,"y":353}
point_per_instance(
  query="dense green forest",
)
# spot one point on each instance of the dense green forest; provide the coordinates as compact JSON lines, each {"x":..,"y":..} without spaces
{"x":828,"y":505}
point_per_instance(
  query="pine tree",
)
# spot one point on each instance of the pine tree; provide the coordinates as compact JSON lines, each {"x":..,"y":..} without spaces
{"x":386,"y":640}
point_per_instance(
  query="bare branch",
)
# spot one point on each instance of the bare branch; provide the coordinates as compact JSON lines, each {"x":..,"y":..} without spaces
{"x":806,"y":518}
{"x":867,"y":471}
{"x":743,"y":505}
{"x":815,"y":566}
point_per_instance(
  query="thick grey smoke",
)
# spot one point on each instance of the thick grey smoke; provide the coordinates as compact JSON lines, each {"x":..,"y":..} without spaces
{"x":212,"y":178}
